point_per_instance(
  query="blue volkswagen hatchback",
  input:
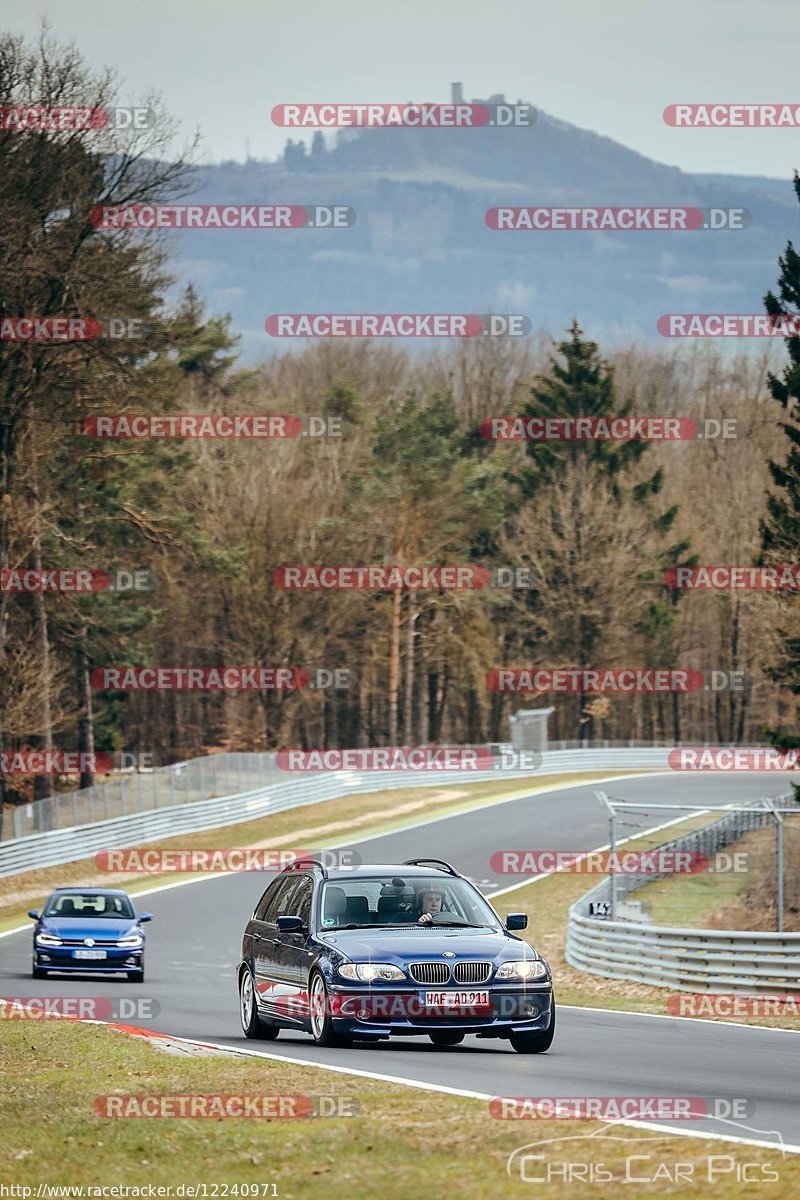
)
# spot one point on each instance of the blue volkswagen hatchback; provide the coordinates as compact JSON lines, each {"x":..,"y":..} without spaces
{"x":378,"y":951}
{"x":89,"y":929}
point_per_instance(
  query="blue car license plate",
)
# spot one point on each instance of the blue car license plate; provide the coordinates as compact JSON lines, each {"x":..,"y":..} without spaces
{"x":451,"y":999}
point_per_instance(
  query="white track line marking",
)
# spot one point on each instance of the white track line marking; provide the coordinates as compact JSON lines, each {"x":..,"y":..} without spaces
{"x":598,"y":849}
{"x":444,"y":1089}
{"x":722,"y":1023}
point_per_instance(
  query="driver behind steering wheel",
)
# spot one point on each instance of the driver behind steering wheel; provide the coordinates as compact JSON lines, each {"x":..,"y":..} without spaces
{"x":429,"y":902}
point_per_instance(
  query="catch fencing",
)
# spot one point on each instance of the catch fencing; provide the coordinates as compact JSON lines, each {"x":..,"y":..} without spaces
{"x":229,"y":789}
{"x":602,"y":942}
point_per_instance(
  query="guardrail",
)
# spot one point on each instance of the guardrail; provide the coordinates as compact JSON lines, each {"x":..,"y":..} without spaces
{"x":690,"y":960}
{"x":227,"y":774}
{"x":57,"y":846}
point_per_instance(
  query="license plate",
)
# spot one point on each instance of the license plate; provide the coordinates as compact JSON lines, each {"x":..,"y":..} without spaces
{"x":455,"y":999}
{"x":93,"y":954}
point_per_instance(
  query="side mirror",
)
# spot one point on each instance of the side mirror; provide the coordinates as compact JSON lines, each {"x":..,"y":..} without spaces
{"x":289,"y":924}
{"x":517,"y":921}
{"x":145,"y":916}
{"x":33,"y":913}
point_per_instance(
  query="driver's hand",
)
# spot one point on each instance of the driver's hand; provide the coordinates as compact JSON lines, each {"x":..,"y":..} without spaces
{"x":425,"y":919}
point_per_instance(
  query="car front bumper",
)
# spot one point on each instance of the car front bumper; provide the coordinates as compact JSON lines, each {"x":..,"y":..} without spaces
{"x":374,"y":1012}
{"x":62,"y":958}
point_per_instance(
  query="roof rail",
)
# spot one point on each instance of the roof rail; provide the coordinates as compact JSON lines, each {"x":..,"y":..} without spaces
{"x":302,"y":864}
{"x":435,"y":862}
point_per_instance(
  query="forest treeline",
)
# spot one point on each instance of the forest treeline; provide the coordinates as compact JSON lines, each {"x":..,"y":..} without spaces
{"x":410,"y":480}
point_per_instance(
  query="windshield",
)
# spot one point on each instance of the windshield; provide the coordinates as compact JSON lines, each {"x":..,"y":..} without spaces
{"x":422,"y":901}
{"x":89,"y":905}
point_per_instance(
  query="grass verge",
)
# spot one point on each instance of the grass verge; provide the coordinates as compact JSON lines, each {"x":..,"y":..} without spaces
{"x":416,"y":1142}
{"x":734,"y":899}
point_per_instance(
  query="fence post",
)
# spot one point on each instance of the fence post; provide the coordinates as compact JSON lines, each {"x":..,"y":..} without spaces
{"x":779,"y":872}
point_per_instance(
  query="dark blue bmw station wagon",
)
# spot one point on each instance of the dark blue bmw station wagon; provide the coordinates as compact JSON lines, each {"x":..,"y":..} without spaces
{"x":378,"y":951}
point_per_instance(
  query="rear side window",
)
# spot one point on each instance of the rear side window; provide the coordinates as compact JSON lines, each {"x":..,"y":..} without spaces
{"x":281,"y":899}
{"x":301,"y":900}
{"x":264,"y":902}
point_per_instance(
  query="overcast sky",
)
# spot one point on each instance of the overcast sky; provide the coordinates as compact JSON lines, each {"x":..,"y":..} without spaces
{"x":606,"y":66}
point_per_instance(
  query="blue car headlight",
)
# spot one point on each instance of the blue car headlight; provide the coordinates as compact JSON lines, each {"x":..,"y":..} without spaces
{"x":524,"y":969}
{"x":48,"y":939}
{"x":371,"y":972}
{"x":131,"y":939}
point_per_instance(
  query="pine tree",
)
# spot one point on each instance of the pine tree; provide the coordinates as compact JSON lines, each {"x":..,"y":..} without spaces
{"x":581,"y":384}
{"x":780,"y":529}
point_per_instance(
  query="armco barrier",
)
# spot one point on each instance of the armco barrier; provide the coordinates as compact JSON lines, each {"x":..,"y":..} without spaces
{"x":688,"y":960}
{"x":81,"y":841}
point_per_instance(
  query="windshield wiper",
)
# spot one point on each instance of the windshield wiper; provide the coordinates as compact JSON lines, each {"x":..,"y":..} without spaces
{"x":454,"y":924}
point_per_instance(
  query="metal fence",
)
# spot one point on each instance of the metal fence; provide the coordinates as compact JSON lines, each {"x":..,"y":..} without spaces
{"x":697,"y":960}
{"x":225,"y":775}
{"x":195,"y":796}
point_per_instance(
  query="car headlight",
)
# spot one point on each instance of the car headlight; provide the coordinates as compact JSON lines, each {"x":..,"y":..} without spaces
{"x":48,"y":939}
{"x":133,"y":939}
{"x":370,"y":972}
{"x":527,"y":968}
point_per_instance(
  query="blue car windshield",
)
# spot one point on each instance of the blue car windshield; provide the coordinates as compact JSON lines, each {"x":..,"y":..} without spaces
{"x":88,"y":906}
{"x":409,"y":900}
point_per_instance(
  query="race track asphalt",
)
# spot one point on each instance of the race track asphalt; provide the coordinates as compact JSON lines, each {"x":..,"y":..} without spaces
{"x":194,"y":942}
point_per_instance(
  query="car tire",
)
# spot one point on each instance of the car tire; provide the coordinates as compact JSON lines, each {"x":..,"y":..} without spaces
{"x":443,"y":1038}
{"x":252,"y":1024}
{"x":39,"y":973}
{"x":322,"y":1029}
{"x":136,"y":976}
{"x":537,"y":1042}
